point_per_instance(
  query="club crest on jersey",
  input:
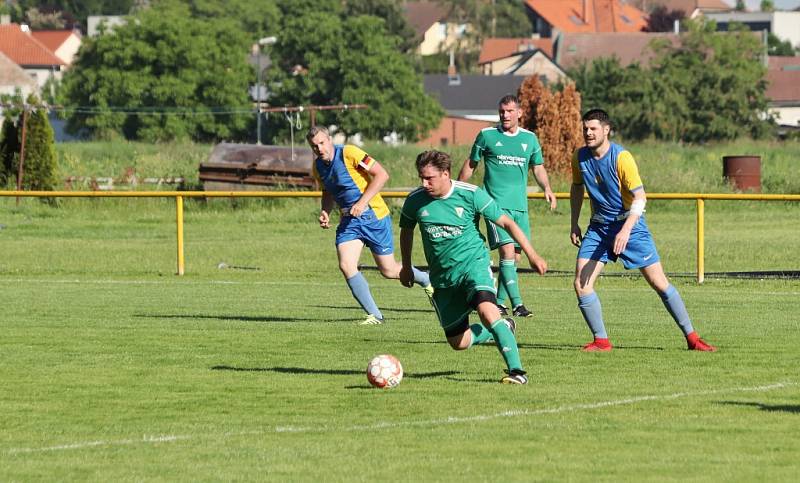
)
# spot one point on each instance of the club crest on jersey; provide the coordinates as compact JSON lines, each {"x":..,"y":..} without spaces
{"x":524,"y":147}
{"x":424,"y":213}
{"x":459,"y":211}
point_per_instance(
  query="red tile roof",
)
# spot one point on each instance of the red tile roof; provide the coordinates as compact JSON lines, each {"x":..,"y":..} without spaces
{"x":498,"y":48}
{"x":53,"y":39}
{"x":783,"y":79}
{"x":601,"y":15}
{"x":24,"y":49}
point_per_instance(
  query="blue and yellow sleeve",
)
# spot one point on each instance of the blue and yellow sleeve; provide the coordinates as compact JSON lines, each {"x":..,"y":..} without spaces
{"x":628,"y":172}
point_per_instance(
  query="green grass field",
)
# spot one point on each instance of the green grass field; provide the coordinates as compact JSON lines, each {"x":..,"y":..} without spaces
{"x":115,"y":369}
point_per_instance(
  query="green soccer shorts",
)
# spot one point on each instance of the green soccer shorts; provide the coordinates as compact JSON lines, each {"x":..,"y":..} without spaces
{"x":498,"y":236}
{"x":453,"y":304}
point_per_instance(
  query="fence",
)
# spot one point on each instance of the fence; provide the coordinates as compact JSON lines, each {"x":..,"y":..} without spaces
{"x":179,"y":196}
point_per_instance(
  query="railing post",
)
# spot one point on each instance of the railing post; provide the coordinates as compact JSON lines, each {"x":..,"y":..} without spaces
{"x":701,"y":270}
{"x":179,"y":223}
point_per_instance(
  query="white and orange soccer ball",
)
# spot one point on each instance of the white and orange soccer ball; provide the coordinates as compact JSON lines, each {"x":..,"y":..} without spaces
{"x":384,"y":371}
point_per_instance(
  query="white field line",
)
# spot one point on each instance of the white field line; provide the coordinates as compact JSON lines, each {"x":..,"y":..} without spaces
{"x":567,"y":288}
{"x":402,"y":424}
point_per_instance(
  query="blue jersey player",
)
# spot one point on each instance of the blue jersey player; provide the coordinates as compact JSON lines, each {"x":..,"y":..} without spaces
{"x":351,"y":179}
{"x":617,"y":229}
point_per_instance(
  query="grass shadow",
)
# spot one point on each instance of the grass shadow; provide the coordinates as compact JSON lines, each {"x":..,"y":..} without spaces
{"x":334,"y":372}
{"x":237,"y":318}
{"x":384,"y":309}
{"x":785,"y":408}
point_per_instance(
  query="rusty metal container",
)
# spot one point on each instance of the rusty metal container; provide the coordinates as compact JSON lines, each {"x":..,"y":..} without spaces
{"x":243,"y":167}
{"x":743,"y":172}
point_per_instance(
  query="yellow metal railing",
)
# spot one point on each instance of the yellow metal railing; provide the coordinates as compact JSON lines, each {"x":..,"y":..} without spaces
{"x":180,"y":195}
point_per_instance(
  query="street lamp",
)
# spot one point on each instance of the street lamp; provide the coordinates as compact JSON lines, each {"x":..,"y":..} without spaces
{"x":257,"y":51}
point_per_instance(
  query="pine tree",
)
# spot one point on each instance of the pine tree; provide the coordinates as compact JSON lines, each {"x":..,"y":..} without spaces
{"x":9,"y":148}
{"x":40,"y":165}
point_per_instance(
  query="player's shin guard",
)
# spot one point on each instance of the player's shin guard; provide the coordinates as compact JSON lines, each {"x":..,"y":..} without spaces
{"x":421,"y":278}
{"x":508,"y":272}
{"x":480,"y":334}
{"x":593,"y":314}
{"x":677,"y":309}
{"x":360,"y":289}
{"x":506,"y":344}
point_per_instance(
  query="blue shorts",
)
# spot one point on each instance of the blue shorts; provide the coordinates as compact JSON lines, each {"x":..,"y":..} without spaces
{"x":374,"y":233}
{"x":598,"y":244}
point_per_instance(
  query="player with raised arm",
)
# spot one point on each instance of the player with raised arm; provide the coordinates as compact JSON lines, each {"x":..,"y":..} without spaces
{"x":447,"y":213}
{"x":617,"y":229}
{"x":351,"y":179}
{"x":509,"y":152}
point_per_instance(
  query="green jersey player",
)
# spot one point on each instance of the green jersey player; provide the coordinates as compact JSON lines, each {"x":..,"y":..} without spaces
{"x":447,"y":213}
{"x":509,"y":152}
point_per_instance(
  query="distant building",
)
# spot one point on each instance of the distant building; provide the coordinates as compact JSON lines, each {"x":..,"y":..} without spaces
{"x":63,"y":43}
{"x":470,"y":104}
{"x":520,"y":56}
{"x":552,"y":17}
{"x":573,"y":49}
{"x":94,"y":23}
{"x":13,"y":78}
{"x":40,"y":63}
{"x":784,"y":25}
{"x":691,"y":8}
{"x":435,"y":34}
{"x":783,"y":90}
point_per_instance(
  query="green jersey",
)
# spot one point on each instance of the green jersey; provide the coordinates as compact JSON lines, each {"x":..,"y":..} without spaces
{"x":508,"y":158}
{"x":449,"y":229}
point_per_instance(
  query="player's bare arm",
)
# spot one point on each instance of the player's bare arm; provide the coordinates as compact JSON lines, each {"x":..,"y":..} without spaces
{"x":621,"y":240}
{"x":406,"y":247}
{"x":575,"y":204}
{"x":540,"y":175}
{"x":467,"y":170}
{"x":537,"y":262}
{"x":378,"y":178}
{"x":325,"y":210}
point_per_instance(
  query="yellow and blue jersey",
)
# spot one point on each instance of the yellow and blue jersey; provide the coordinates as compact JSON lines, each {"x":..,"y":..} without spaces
{"x":610,"y":181}
{"x":346,"y":178}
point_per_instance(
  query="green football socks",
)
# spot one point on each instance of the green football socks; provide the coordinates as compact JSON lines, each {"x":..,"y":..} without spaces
{"x":509,"y":281}
{"x":506,"y":344}
{"x":480,"y":334}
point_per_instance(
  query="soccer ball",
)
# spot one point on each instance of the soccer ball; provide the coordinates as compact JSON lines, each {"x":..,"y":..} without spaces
{"x":384,"y":371}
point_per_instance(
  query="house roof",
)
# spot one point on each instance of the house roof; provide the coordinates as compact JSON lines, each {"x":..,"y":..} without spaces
{"x":628,"y":47}
{"x":499,"y":48}
{"x":53,"y":39}
{"x":23,"y":49}
{"x":421,"y":15}
{"x":602,"y":15}
{"x":12,"y":75}
{"x":689,"y":6}
{"x":475,"y":94}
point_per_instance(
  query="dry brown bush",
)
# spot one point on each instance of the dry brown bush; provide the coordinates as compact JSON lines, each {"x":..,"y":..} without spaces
{"x":556,"y":120}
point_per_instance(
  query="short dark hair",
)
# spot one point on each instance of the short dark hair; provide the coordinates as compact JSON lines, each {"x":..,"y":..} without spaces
{"x":597,"y":115}
{"x":438,"y":159}
{"x":508,"y":99}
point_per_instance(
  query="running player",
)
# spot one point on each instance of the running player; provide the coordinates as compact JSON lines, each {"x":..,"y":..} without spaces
{"x":509,"y":152}
{"x":617,"y":229}
{"x":447,"y":212}
{"x":353,"y":180}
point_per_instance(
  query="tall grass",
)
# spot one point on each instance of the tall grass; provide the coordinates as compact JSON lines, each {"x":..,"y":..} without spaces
{"x":665,"y":167}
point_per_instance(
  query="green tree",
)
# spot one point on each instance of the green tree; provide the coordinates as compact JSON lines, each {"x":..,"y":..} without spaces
{"x":778,"y":47}
{"x":9,"y":147}
{"x":767,"y":6}
{"x":391,"y":12}
{"x":324,"y":57}
{"x":161,"y":76}
{"x":40,"y":167}
{"x":740,"y":6}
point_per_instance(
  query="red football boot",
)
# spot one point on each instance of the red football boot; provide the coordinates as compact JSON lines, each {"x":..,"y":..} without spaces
{"x":598,"y":345}
{"x":695,"y":343}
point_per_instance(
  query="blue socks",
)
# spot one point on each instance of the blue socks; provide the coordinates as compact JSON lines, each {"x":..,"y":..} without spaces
{"x":593,"y":314}
{"x":676,"y":308}
{"x":421,"y":278}
{"x":360,"y":289}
